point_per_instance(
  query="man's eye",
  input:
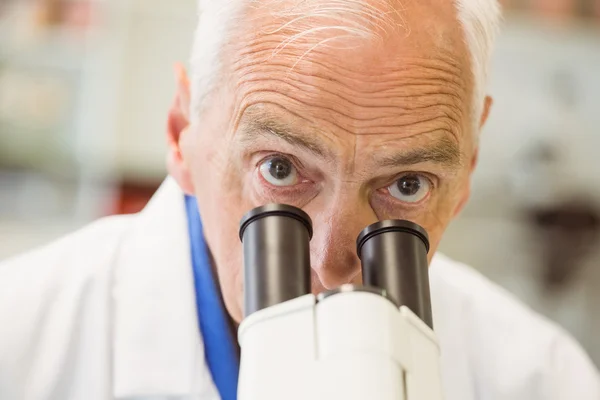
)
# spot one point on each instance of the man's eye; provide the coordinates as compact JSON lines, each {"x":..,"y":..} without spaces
{"x":410,"y":188}
{"x":279,"y":171}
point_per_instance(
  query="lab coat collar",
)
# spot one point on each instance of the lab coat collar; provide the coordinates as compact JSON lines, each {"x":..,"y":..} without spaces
{"x":158,"y":348}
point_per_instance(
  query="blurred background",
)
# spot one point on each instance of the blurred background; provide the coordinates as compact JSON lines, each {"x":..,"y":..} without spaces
{"x":85,"y":86}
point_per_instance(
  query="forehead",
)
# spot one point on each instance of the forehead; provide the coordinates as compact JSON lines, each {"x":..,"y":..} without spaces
{"x":391,"y":27}
{"x":359,"y":67}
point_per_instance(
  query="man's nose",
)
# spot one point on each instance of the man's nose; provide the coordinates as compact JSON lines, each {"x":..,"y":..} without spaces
{"x":333,"y":247}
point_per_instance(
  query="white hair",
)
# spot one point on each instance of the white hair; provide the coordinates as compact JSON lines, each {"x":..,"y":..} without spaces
{"x":479,"y":20}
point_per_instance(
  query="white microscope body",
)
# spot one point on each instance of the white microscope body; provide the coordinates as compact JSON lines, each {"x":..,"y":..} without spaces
{"x":352,"y":343}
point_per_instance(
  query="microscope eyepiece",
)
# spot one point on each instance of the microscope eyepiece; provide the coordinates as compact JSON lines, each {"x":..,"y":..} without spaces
{"x":282,"y":210}
{"x":276,"y":240}
{"x":393,"y":254}
{"x":391,"y":226}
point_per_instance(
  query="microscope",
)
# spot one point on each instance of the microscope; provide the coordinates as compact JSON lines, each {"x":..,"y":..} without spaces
{"x":369,"y":342}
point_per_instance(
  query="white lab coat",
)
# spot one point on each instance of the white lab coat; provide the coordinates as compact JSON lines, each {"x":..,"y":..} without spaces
{"x":109,"y":313}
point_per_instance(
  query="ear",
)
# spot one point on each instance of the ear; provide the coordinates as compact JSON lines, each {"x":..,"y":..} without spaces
{"x":487,"y":107}
{"x":177,"y":127}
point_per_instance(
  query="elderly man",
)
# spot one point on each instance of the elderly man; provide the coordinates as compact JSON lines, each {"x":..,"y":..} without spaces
{"x":353,"y":110}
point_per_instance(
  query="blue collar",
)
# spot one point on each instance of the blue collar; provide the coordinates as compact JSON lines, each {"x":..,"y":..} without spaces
{"x":219,"y":349}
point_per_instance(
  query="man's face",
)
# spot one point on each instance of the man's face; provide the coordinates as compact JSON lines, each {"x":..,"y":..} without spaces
{"x":352,"y":130}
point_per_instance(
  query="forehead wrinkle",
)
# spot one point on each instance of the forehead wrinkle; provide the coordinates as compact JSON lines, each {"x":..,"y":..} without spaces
{"x":402,"y":76}
{"x":430,"y":104}
{"x":404,"y":94}
{"x":409,"y":128}
{"x":257,"y":52}
{"x":443,"y":122}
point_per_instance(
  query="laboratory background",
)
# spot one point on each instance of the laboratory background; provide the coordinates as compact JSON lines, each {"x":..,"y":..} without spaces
{"x":85,"y":86}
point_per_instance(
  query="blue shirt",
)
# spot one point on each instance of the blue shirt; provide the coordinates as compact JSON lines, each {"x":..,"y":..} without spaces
{"x":219,"y":349}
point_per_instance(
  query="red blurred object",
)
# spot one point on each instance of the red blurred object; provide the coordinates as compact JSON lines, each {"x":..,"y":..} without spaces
{"x":79,"y":14}
{"x":596,"y":9}
{"x":133,"y":197}
{"x":49,"y":13}
{"x":558,"y":9}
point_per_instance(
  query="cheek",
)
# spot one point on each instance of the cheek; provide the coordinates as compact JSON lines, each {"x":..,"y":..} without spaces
{"x":218,"y":187}
{"x":221,"y":210}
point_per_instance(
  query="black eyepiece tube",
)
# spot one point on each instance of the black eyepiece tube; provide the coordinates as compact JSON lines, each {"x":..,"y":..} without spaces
{"x":393,"y":254}
{"x":276,"y":240}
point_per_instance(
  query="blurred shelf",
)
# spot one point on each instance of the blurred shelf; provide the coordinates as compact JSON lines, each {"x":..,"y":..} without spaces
{"x":51,"y":51}
{"x":518,"y":19}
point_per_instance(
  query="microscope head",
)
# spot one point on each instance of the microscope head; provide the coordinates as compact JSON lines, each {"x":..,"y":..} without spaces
{"x":354,"y":342}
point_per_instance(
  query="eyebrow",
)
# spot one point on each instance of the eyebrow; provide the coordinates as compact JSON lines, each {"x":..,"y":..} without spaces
{"x":270,"y":128}
{"x":444,"y":151}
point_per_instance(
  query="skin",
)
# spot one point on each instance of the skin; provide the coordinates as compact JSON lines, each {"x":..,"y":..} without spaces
{"x":369,"y":111}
